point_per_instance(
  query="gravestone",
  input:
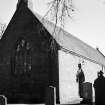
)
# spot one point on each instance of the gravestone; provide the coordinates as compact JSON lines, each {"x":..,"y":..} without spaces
{"x":87,"y":92}
{"x":3,"y":100}
{"x":51,"y":96}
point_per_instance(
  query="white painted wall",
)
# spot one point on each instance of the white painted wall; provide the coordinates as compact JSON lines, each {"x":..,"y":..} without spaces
{"x":68,"y":66}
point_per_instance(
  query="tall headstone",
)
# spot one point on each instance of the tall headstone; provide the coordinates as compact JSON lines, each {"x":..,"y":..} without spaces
{"x":87,"y":92}
{"x":50,"y":96}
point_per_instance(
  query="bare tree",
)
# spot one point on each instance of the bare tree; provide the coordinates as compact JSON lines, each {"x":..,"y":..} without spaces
{"x":2,"y":29}
{"x":58,"y":11}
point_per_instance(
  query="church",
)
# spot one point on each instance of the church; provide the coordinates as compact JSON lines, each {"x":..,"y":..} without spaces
{"x":29,"y":64}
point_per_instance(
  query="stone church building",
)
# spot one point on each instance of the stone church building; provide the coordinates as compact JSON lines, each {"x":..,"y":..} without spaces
{"x":29,"y":64}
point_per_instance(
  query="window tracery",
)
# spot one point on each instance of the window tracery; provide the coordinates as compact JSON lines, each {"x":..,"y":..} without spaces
{"x":22,"y":57}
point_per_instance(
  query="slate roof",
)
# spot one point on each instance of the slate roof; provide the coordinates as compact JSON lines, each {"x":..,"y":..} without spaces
{"x":72,"y":44}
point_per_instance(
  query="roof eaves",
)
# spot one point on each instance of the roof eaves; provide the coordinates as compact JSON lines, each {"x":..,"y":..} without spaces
{"x":81,"y":56}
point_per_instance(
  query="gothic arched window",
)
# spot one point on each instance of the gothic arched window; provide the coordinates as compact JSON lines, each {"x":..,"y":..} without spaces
{"x":22,"y":57}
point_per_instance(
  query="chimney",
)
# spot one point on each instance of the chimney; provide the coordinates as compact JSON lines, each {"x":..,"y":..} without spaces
{"x":28,"y":3}
{"x":25,"y":2}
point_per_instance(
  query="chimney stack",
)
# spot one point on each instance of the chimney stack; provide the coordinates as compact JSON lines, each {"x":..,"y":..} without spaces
{"x":22,"y":2}
{"x":28,"y":3}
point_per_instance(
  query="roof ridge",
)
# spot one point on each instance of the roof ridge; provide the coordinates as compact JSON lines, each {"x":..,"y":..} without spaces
{"x":66,"y":32}
{"x":70,"y":42}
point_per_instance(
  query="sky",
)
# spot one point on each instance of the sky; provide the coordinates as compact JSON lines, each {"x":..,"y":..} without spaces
{"x":88,"y":20}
